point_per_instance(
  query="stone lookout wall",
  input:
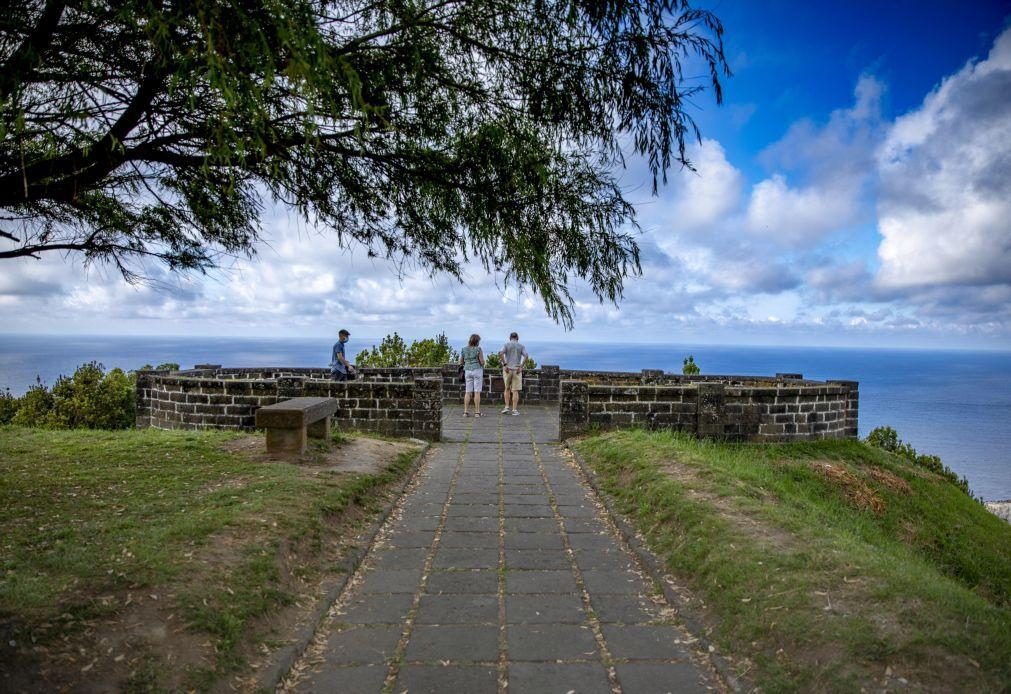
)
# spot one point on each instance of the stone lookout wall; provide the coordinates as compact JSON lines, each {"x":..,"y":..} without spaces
{"x":733,"y":408}
{"x":408,"y":402}
{"x":396,"y":402}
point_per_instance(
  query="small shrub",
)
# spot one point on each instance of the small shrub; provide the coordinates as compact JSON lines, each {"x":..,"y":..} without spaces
{"x":167,"y":366}
{"x":8,"y":406}
{"x":92,"y":399}
{"x":392,"y":351}
{"x":887,"y":439}
{"x":689,"y":367}
{"x":34,"y":407}
{"x":431,"y":352}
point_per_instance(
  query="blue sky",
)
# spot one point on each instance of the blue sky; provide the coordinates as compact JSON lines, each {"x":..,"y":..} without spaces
{"x":854,"y":189}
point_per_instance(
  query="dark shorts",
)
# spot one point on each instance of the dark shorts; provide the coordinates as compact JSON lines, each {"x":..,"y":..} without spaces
{"x":338,"y":376}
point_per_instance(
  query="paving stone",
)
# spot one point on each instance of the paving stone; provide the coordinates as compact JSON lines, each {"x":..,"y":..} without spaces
{"x":482,"y":581}
{"x":584,"y":525}
{"x":550,"y":642}
{"x":477,"y":510}
{"x":463,"y":558}
{"x":602,"y":560}
{"x":423,"y":509}
{"x":519,"y":581}
{"x":414,"y":522}
{"x":558,"y":678}
{"x":377,"y":609}
{"x":438,"y":679}
{"x":544,"y":609}
{"x":533,"y":540}
{"x":536,"y":559}
{"x":525,"y":499}
{"x":628,"y":609}
{"x":458,"y":609}
{"x":471,"y":524}
{"x":470,"y":540}
{"x":351,"y":678}
{"x":592,"y":541}
{"x":362,"y":644}
{"x":391,"y":581}
{"x":454,"y":643}
{"x":400,"y":558}
{"x":660,"y":678}
{"x":411,"y":538}
{"x":531,"y":525}
{"x":577,"y":511}
{"x":527,"y":511}
{"x":644,"y":642}
{"x":605,"y":581}
{"x":475,"y":498}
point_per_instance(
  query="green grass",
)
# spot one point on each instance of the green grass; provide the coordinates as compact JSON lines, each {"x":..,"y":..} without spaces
{"x":89,"y":517}
{"x":823,"y":563}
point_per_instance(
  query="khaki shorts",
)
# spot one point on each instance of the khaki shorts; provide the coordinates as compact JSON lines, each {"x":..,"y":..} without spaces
{"x":513,"y":379}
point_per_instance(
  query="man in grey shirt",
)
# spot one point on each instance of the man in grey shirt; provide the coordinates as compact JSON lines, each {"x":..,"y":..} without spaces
{"x":513,"y":354}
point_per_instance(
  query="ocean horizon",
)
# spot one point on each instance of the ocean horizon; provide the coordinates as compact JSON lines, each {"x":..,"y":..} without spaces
{"x":952,"y":403}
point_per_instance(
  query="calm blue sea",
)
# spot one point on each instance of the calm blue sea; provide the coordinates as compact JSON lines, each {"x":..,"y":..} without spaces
{"x":954,"y":404}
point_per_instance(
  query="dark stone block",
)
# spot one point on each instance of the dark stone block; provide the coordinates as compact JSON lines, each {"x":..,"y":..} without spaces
{"x":643,"y":678}
{"x":553,"y":678}
{"x":438,"y":679}
{"x":364,"y":644}
{"x":455,"y":643}
{"x":550,"y":642}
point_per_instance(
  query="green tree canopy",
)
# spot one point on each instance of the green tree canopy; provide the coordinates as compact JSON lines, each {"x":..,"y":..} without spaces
{"x":428,"y":131}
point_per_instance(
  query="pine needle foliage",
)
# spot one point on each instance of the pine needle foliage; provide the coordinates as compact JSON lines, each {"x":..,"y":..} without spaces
{"x":147,"y":134}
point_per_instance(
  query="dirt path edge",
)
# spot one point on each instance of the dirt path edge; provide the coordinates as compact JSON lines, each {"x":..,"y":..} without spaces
{"x":655,"y":568}
{"x":282,"y":660}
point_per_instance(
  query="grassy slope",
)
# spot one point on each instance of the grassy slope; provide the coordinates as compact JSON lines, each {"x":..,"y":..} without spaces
{"x":88,"y":517}
{"x":829,"y":565}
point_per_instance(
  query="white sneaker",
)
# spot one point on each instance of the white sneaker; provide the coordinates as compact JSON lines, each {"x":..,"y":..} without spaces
{"x":505,"y":410}
{"x":516,"y":413}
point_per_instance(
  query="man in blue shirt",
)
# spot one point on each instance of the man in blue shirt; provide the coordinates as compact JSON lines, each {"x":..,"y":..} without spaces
{"x":340,"y":368}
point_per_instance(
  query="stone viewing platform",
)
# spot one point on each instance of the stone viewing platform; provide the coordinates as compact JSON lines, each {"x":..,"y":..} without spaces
{"x":409,"y":401}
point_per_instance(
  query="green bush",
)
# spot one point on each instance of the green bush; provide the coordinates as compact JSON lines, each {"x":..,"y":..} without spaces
{"x":93,"y":399}
{"x":887,"y":439}
{"x":34,"y":407}
{"x":393,"y":351}
{"x":8,"y":406}
{"x":90,"y":399}
{"x":431,"y":352}
{"x":689,"y":367}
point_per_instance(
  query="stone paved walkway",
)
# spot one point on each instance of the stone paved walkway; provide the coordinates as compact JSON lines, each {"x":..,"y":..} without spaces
{"x":498,"y":573}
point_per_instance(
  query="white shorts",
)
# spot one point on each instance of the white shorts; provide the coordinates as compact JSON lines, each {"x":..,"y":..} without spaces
{"x":474,"y":380}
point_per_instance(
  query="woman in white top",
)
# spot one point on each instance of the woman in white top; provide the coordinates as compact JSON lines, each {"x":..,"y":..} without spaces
{"x":472,"y":360}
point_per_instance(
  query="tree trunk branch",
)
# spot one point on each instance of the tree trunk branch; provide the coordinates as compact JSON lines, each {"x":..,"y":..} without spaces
{"x":28,"y":55}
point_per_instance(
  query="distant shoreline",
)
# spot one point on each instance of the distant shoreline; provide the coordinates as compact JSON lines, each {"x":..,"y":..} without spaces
{"x":1001,"y":509}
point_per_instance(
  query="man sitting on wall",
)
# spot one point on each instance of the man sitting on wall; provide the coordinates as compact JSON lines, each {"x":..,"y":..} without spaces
{"x":340,"y":368}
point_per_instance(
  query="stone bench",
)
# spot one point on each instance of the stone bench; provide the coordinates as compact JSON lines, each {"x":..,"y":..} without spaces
{"x":290,"y":422}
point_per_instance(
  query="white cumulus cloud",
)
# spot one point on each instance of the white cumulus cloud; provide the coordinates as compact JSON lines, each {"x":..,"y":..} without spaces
{"x":945,"y":206}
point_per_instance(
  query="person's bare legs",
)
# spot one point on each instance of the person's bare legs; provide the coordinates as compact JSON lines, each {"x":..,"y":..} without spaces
{"x":516,"y":401}
{"x":505,"y":397}
{"x":466,"y":399}
{"x":477,"y":403}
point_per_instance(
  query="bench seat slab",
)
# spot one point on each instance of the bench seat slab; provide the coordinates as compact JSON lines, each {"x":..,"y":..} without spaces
{"x":295,"y":413}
